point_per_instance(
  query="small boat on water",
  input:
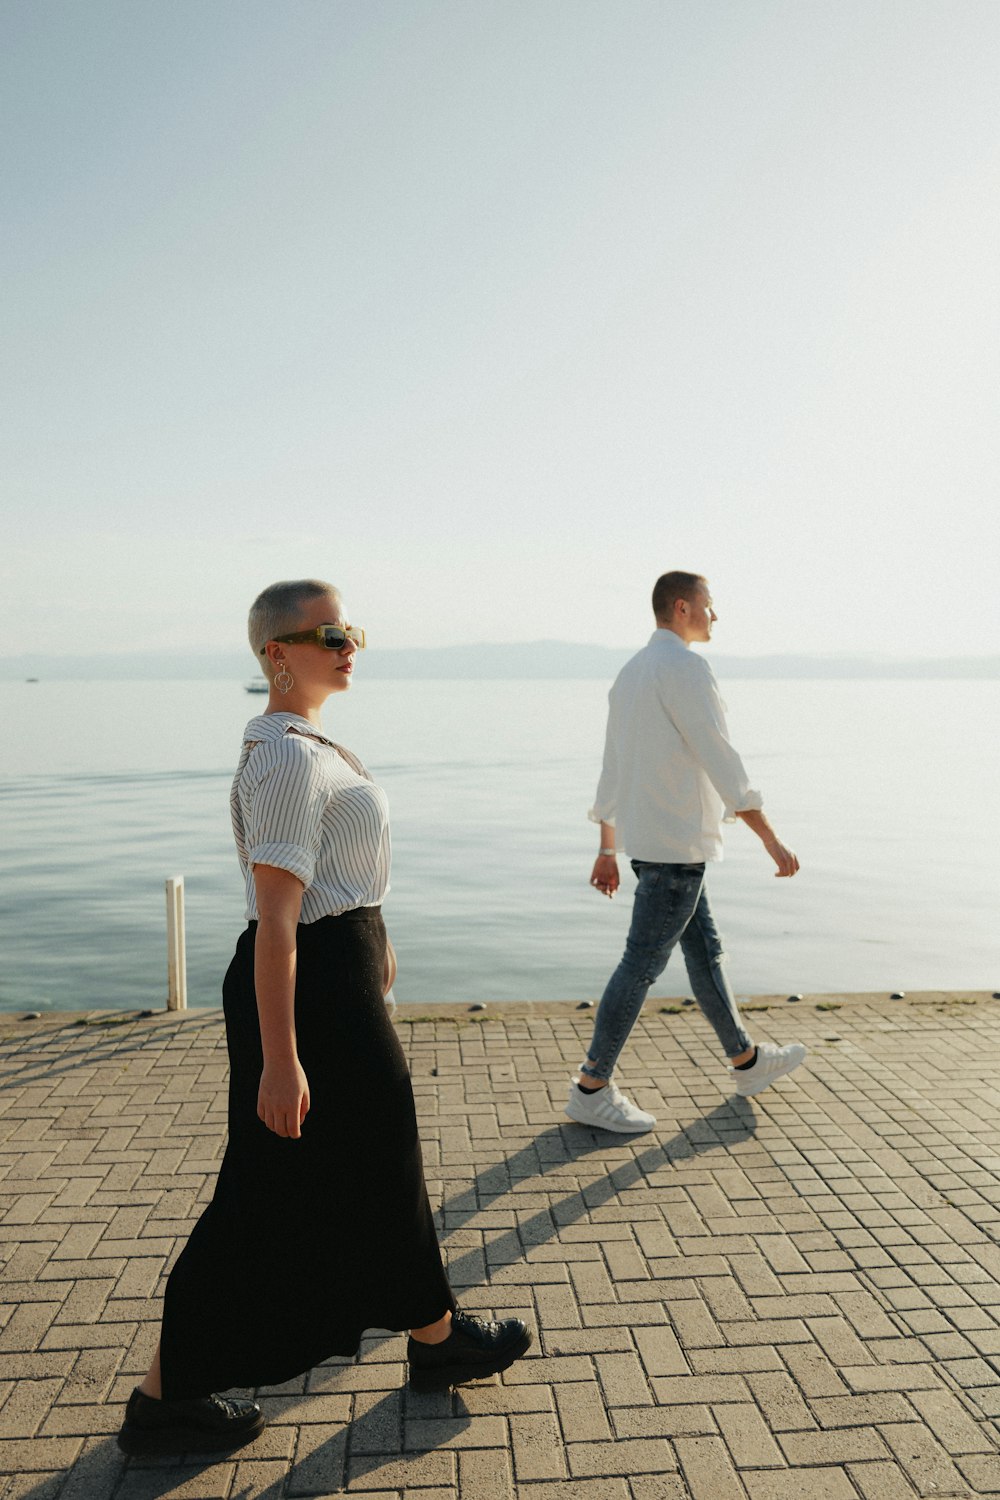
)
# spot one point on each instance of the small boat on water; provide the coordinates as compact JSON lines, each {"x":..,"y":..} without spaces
{"x":258,"y":685}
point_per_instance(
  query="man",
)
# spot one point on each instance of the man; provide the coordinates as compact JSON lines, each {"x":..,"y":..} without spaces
{"x":670,"y":778}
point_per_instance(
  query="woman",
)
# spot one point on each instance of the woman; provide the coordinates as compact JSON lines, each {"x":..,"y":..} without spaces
{"x":320,"y":1226}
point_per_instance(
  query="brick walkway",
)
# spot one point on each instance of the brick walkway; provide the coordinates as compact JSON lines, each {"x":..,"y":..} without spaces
{"x":795,"y":1296}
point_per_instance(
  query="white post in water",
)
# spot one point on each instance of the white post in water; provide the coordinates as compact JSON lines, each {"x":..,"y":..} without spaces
{"x":177,"y":988}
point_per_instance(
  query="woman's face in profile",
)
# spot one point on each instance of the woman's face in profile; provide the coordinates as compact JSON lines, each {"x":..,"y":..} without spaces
{"x":314,"y":664}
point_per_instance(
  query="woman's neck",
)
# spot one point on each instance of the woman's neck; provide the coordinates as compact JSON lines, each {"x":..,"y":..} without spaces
{"x":291,"y":703}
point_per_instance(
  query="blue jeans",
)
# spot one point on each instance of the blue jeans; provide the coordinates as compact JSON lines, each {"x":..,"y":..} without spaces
{"x":671,"y":906}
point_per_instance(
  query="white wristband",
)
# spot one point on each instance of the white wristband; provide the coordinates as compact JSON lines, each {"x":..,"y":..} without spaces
{"x":612,"y":852}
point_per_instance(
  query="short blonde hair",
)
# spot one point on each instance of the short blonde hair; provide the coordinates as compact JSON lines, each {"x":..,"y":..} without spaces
{"x":277,"y":610}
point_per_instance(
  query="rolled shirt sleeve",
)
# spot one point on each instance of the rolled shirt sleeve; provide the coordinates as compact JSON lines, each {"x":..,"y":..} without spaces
{"x":700,"y":718}
{"x":286,"y":809}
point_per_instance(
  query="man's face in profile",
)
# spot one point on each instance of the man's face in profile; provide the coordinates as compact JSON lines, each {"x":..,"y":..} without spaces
{"x":702,"y":616}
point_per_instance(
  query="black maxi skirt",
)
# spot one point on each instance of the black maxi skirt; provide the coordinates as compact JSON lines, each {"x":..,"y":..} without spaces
{"x":307,"y":1243}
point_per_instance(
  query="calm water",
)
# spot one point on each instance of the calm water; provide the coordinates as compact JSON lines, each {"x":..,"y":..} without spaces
{"x":887,"y":790}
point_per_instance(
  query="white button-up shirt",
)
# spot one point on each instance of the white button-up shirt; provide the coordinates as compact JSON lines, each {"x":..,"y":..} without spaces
{"x":670,"y":776}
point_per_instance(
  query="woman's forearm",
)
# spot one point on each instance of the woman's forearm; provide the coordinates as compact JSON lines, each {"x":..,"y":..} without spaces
{"x":274,"y":981}
{"x":283,"y":1097}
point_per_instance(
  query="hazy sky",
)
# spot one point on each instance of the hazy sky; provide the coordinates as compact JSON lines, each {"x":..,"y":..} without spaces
{"x":490,"y":312}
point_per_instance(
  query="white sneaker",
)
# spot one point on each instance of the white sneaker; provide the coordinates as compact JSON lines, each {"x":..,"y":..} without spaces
{"x":607,"y":1108}
{"x":772,"y":1063}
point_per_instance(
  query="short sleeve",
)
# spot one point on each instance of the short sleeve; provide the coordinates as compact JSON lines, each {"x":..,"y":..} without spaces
{"x":286,"y":806}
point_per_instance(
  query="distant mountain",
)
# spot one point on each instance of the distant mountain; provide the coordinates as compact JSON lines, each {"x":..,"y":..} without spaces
{"x":535,"y":659}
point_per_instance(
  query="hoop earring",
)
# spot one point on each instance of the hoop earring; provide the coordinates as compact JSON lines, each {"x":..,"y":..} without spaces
{"x":283,"y":680}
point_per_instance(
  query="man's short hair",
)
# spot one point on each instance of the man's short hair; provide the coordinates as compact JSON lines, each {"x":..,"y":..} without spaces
{"x":670,"y":587}
{"x":278,"y":610}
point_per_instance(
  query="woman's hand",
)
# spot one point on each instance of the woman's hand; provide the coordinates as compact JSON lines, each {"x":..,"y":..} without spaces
{"x":283,"y":1097}
{"x":388,"y":968}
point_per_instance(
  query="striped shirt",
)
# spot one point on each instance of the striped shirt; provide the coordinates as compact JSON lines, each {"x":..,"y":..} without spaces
{"x":304,"y":804}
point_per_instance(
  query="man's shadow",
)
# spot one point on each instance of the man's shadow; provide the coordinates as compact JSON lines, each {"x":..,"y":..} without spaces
{"x":558,"y":1147}
{"x":728,"y":1123}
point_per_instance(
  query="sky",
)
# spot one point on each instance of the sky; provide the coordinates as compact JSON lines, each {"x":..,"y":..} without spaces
{"x":489,"y":313}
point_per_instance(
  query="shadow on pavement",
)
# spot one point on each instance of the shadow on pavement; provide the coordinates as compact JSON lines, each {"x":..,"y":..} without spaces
{"x":731,"y":1121}
{"x":42,"y":1056}
{"x":374,"y":1438}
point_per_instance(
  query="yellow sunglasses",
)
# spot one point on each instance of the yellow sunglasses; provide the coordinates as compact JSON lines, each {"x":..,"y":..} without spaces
{"x":333,"y":637}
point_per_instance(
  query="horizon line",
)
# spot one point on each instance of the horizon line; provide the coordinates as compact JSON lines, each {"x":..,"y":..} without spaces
{"x":182,"y":650}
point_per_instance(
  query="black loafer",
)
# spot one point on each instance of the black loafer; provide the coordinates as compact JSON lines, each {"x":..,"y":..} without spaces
{"x":210,"y":1424}
{"x":473,"y":1350}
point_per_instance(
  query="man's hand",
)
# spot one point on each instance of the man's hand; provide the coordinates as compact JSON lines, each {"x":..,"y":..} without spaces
{"x":283,"y":1098}
{"x":604,"y":876}
{"x":783,"y":857}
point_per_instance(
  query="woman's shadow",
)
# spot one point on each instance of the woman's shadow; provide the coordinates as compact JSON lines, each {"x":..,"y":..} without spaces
{"x":375,"y":1438}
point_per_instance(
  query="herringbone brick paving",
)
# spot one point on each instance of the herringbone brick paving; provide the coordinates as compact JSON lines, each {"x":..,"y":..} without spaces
{"x":792,"y":1296}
